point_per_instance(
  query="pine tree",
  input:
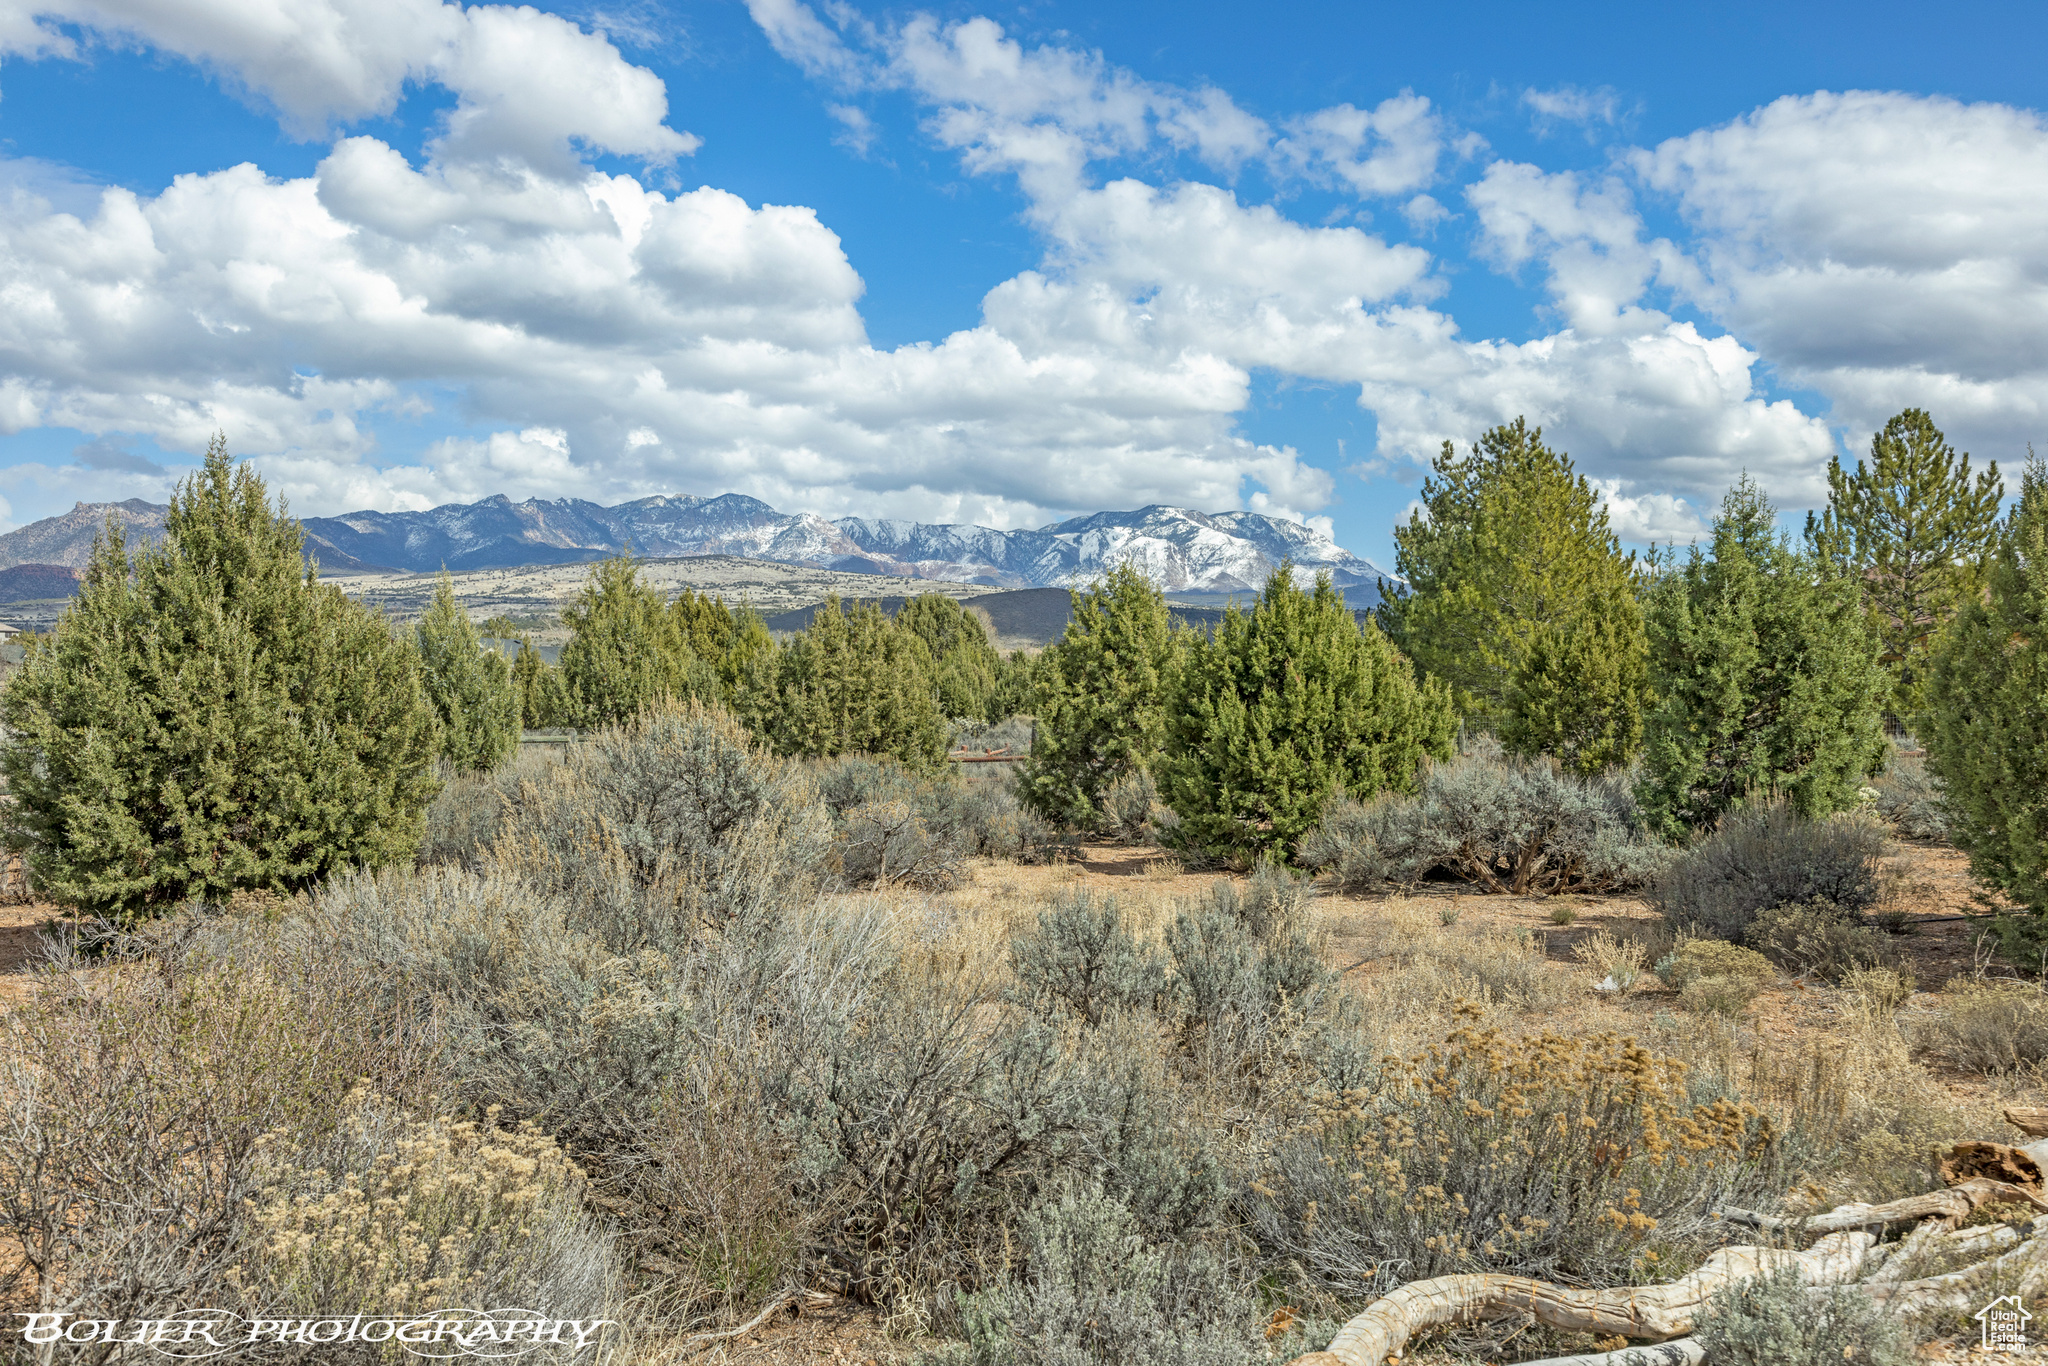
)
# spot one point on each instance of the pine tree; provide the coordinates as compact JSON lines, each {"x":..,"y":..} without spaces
{"x":1914,"y":531}
{"x":626,"y":650}
{"x":1288,"y":706}
{"x":854,"y":683}
{"x":1987,"y":718}
{"x":470,"y":685}
{"x":1512,"y":553}
{"x":1766,"y":674}
{"x":1100,"y":697}
{"x":966,"y":664}
{"x":209,"y":718}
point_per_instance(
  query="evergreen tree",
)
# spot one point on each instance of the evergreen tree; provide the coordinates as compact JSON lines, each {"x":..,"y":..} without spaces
{"x":1100,"y":700}
{"x":543,"y":701}
{"x":626,"y":650}
{"x":208,"y":718}
{"x":1580,"y":690}
{"x":855,"y":683}
{"x":1512,"y":555}
{"x":1914,"y":531}
{"x":469,"y":684}
{"x":728,"y":641}
{"x":1766,"y":674}
{"x":1986,"y":723}
{"x":1289,"y":705}
{"x":1016,"y":684}
{"x":966,"y":664}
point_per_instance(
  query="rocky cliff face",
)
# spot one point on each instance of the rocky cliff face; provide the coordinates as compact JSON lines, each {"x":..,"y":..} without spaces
{"x":1179,"y":549}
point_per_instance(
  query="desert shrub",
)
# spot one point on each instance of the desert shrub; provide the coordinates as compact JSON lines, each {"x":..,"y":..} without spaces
{"x":1584,"y":1159}
{"x":1697,"y":958}
{"x":895,"y":826}
{"x":1082,"y":957}
{"x":1776,"y":1320}
{"x":1612,"y":959}
{"x":1767,"y":855}
{"x":133,"y":1116}
{"x":1821,"y":938}
{"x":1130,"y":809}
{"x":1007,"y":735}
{"x":534,"y":1010}
{"x":1991,"y":1027}
{"x":465,"y":817}
{"x":391,"y":1213}
{"x":1910,"y":798}
{"x":1508,"y":825}
{"x":1715,"y":977}
{"x":1499,"y":968}
{"x":1094,"y":1289}
{"x":667,"y":826}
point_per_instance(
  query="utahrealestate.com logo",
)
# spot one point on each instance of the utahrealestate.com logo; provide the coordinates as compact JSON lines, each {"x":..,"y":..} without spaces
{"x":193,"y":1334}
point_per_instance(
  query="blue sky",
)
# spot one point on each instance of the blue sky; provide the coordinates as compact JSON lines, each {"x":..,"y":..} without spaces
{"x":1000,"y":263}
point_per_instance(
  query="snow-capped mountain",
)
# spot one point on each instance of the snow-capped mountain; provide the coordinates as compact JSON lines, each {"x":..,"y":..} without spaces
{"x":1179,"y":549}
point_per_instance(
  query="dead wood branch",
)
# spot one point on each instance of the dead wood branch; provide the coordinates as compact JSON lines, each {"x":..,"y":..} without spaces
{"x":2028,"y":1119}
{"x":1655,"y":1312}
{"x":1953,"y":1204}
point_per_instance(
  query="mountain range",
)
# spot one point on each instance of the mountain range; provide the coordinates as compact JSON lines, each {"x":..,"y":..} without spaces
{"x":1179,"y":549}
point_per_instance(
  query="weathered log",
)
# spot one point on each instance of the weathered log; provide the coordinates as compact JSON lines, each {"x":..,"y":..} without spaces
{"x":1993,"y":1162}
{"x":1655,"y":1312}
{"x":1962,"y":1289}
{"x":1953,"y":1204}
{"x":2030,"y":1120}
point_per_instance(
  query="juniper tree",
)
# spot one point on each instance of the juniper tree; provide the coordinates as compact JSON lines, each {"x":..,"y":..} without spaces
{"x":965,"y":664}
{"x":1913,"y":530}
{"x":208,"y":718}
{"x":726,"y":640}
{"x":1986,"y":722}
{"x":1511,"y":555}
{"x":854,"y":683}
{"x":543,"y":700}
{"x":1100,"y":697}
{"x":470,"y":686}
{"x":626,"y":650}
{"x":1289,"y":705}
{"x":1766,"y":674}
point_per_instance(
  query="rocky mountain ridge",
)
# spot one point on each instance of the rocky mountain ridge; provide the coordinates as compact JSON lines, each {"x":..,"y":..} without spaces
{"x":1180,"y":549}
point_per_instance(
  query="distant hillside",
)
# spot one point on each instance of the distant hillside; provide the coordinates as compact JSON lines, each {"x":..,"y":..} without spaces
{"x":1179,"y":549}
{"x":38,"y":582}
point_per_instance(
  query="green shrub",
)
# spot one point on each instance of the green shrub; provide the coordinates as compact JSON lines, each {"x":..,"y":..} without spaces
{"x":1095,"y":1290}
{"x":1993,"y":1028}
{"x":1821,"y":938}
{"x":209,"y":719}
{"x":1081,"y":956}
{"x":1777,"y":1320}
{"x":469,"y":684}
{"x":1508,"y":825}
{"x":1560,"y":1158}
{"x":1767,"y":855}
{"x":1287,"y":706}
